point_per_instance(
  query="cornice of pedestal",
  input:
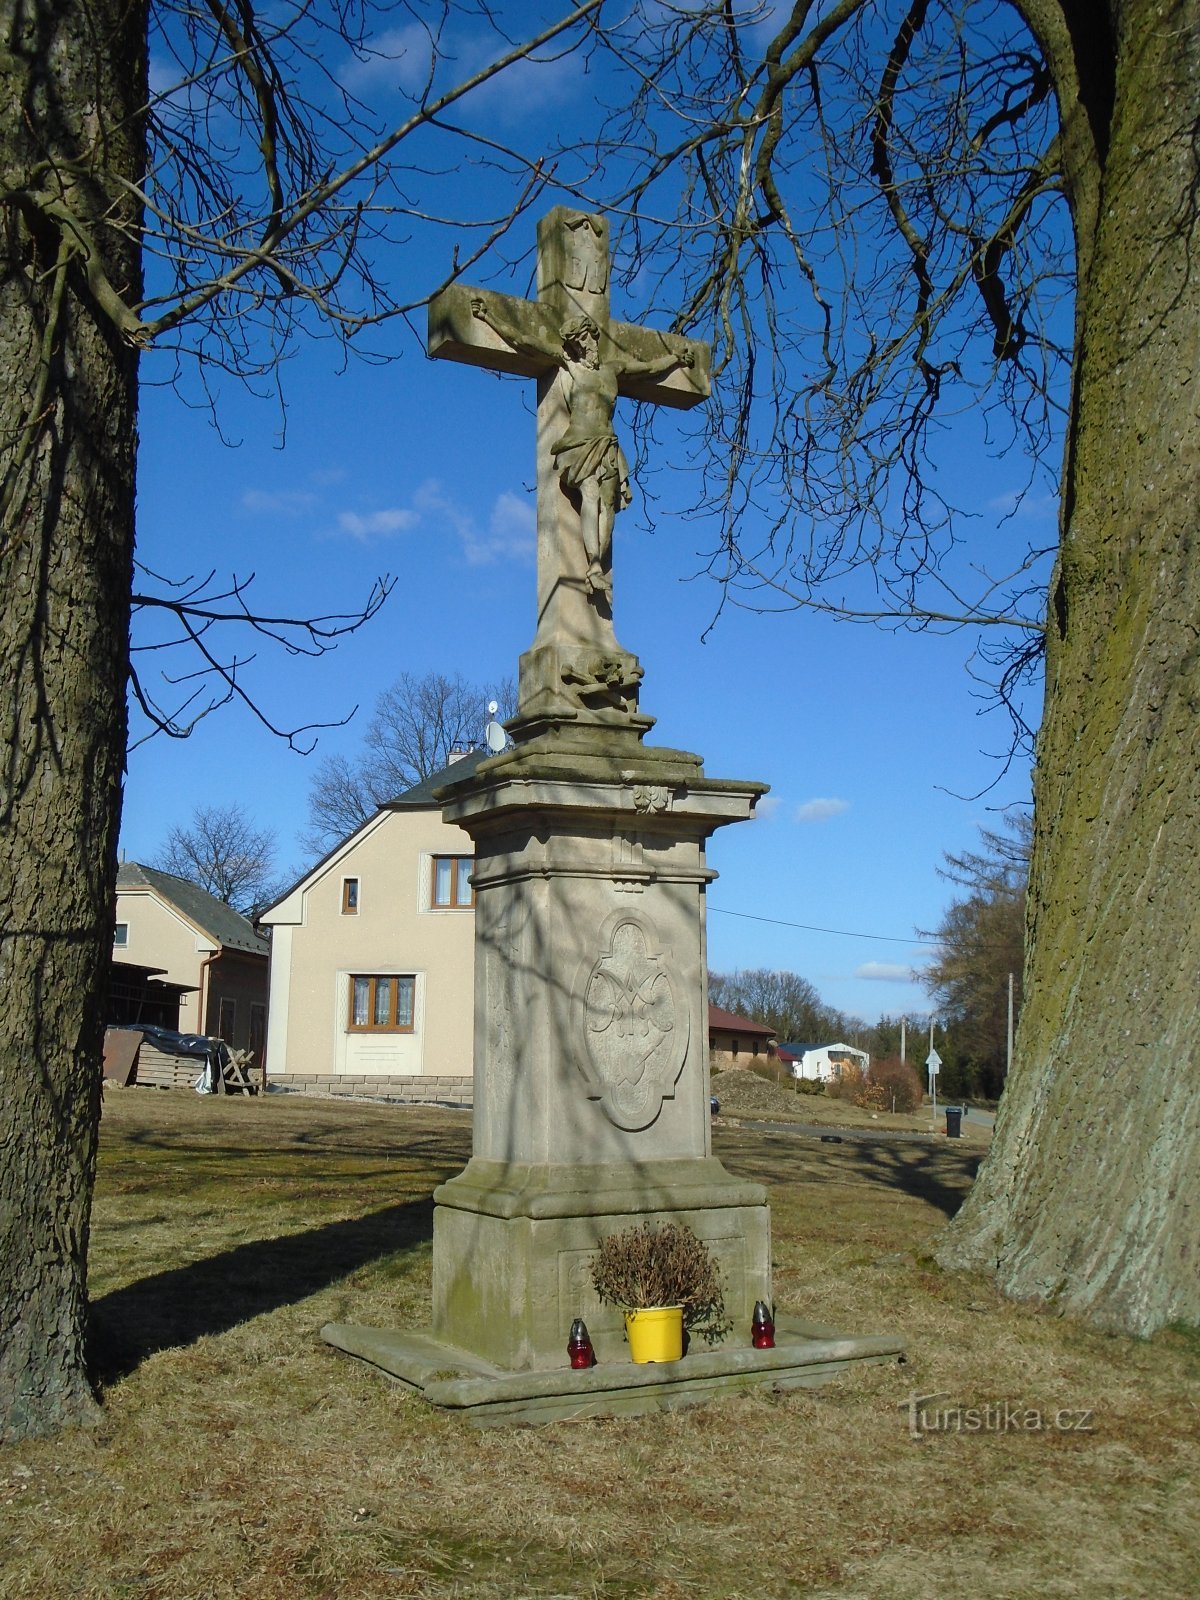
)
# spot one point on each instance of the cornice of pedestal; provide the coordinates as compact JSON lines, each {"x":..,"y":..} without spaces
{"x":601,"y":771}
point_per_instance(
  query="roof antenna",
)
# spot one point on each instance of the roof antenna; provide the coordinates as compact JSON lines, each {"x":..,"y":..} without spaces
{"x":494,"y":735}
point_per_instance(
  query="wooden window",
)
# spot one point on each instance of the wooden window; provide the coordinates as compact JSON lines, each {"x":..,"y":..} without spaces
{"x":121,"y":935}
{"x":349,"y":897}
{"x":227,"y":1019}
{"x":451,"y":883}
{"x":381,"y":1004}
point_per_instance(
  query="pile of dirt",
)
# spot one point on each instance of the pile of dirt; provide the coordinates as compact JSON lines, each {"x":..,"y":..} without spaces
{"x":745,"y":1094}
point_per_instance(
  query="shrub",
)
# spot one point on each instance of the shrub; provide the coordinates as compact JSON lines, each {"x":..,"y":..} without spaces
{"x":662,"y":1265}
{"x":872,"y":1096}
{"x":848,"y":1084}
{"x":773,"y":1071}
{"x":808,"y":1086}
{"x":899,"y":1083}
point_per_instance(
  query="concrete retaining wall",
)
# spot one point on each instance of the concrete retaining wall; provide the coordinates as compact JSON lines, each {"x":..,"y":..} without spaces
{"x":419,"y":1090}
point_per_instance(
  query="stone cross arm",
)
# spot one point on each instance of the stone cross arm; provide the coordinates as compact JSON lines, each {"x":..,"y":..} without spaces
{"x":457,"y":334}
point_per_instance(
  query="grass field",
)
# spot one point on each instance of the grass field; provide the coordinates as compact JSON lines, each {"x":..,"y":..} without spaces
{"x":239,"y":1457}
{"x":744,"y":1096}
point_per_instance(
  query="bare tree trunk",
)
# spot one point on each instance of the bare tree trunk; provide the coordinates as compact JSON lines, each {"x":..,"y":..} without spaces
{"x":1090,"y":1199}
{"x":72,"y":74}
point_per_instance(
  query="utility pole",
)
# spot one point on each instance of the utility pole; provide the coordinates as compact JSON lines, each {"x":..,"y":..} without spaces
{"x":903,"y":1023}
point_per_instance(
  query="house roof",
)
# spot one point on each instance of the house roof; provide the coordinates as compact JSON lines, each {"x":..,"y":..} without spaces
{"x":803,"y":1049}
{"x":729,"y":1022}
{"x":422,"y":794}
{"x":419,"y":798}
{"x":222,"y":924}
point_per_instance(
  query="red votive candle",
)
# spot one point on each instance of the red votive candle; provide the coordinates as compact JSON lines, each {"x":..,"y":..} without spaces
{"x":579,"y":1346}
{"x":762,"y":1327}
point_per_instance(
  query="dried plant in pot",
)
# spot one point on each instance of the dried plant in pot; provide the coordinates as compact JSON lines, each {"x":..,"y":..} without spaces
{"x":665,"y":1279}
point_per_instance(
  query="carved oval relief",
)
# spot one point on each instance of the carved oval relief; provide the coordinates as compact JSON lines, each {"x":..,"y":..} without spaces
{"x":636,"y":1030}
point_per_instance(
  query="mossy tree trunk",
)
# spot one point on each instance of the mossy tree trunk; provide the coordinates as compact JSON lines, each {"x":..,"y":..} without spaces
{"x":73,"y":82}
{"x":1090,"y":1198}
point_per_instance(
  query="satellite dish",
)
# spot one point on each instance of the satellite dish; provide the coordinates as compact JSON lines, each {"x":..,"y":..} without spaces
{"x":495,"y":735}
{"x":493,"y":707}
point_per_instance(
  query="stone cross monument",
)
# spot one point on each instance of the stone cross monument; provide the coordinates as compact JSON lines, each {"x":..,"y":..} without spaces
{"x":591,"y":1036}
{"x":582,"y":360}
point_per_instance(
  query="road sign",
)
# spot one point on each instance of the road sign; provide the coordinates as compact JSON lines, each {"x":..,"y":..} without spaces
{"x":934,"y":1062}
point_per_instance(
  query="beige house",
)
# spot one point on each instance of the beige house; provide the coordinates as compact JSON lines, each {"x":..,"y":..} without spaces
{"x":176,"y":930}
{"x":372,"y":959}
{"x":373,"y":963}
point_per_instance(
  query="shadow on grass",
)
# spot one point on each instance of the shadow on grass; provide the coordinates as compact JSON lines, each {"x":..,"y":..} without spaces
{"x":211,"y":1296}
{"x":932,"y":1173}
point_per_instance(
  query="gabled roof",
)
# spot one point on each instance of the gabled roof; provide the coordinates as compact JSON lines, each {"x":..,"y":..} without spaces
{"x":728,"y":1022}
{"x":422,"y":794}
{"x":803,"y":1049}
{"x":419,"y":798}
{"x":222,"y":924}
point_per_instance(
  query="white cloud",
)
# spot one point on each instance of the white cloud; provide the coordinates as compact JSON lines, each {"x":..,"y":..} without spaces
{"x":510,"y":535}
{"x":511,"y":527}
{"x":534,"y":85}
{"x":405,"y":60}
{"x":1024,"y":503}
{"x":512,"y":530}
{"x":884,"y":972}
{"x":767,"y":807}
{"x":283,"y":503}
{"x":398,"y":58}
{"x":821,"y":810}
{"x":376,"y":524}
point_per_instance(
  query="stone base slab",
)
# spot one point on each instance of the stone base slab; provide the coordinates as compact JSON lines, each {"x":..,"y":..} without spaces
{"x":805,"y":1356}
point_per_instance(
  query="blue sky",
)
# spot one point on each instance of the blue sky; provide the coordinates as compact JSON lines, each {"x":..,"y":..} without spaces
{"x":874,"y":743}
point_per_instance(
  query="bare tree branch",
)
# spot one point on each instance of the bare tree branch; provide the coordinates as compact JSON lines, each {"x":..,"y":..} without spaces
{"x":196,"y":605}
{"x":863,"y":210}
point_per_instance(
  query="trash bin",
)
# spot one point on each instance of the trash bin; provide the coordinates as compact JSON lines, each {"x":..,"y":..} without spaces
{"x":954,"y":1122}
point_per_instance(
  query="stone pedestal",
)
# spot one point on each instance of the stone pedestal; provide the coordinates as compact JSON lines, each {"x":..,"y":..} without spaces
{"x":591,"y":1042}
{"x":591,"y":1092}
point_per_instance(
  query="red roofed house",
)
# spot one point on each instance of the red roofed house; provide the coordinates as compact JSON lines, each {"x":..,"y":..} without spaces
{"x":736,"y":1041}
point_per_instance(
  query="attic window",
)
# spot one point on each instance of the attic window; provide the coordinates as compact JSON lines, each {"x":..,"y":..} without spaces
{"x":121,"y":935}
{"x":349,"y":897}
{"x":451,"y":883}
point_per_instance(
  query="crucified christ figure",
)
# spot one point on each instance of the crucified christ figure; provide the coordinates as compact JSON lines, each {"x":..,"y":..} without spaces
{"x":591,"y":464}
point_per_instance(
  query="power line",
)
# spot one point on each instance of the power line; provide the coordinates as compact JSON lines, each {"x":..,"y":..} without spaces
{"x":808,"y":927}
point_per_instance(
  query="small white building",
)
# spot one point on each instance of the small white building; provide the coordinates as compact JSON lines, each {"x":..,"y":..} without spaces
{"x":821,"y":1063}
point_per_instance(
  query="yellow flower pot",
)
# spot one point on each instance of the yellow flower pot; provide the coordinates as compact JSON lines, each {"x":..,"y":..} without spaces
{"x":655,"y":1333}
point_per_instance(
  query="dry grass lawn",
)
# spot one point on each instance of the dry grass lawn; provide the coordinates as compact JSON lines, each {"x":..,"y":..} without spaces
{"x":241,"y":1457}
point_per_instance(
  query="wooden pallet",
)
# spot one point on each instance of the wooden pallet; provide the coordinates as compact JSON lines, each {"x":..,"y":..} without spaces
{"x":163,"y":1071}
